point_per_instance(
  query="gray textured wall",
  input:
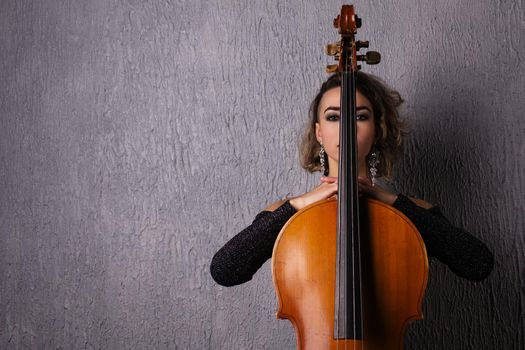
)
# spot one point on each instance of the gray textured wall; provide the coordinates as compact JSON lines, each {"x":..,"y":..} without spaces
{"x":136,"y":137}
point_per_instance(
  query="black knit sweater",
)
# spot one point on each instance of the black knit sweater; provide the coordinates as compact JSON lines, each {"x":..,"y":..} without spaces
{"x":238,"y":260}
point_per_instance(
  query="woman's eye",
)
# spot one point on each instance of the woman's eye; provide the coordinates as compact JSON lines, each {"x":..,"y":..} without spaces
{"x":335,"y":117}
{"x":332,"y":117}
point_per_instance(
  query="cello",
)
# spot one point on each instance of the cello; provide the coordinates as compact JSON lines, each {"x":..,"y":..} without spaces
{"x":351,"y":272}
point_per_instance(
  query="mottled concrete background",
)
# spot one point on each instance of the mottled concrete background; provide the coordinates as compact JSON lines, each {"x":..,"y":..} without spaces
{"x":136,"y":137}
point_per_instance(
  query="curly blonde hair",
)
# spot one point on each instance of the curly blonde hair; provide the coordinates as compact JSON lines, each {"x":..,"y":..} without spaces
{"x":390,"y":129}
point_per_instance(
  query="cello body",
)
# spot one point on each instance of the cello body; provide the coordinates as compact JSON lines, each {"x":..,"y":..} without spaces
{"x":394,"y":275}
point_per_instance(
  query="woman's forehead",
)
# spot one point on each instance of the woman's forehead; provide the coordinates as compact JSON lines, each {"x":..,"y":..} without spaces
{"x":332,"y":98}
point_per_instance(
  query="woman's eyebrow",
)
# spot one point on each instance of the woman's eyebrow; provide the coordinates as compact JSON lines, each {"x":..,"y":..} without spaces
{"x":333,"y":108}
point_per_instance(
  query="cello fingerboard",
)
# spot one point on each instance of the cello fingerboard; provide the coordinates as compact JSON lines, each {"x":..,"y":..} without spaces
{"x":348,"y":302}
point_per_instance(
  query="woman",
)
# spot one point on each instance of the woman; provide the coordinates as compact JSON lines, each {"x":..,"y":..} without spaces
{"x":379,"y":138}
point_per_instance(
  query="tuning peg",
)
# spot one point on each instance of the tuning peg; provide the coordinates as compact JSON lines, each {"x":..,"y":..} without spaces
{"x":358,"y":22}
{"x":371,"y":57}
{"x":333,"y":49}
{"x":337,"y":21}
{"x":361,"y":44}
{"x":332,"y":68}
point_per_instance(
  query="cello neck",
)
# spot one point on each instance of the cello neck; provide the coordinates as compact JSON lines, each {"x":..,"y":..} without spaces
{"x":348,"y":316}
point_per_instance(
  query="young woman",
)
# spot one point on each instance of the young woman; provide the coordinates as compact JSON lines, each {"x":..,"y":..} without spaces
{"x":379,"y":138}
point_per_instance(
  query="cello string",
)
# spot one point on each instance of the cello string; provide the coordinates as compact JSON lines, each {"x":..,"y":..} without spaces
{"x":361,"y":320}
{"x":351,"y":124}
{"x":338,"y":281}
{"x":355,"y":201}
{"x":357,"y":245}
{"x":338,"y":276}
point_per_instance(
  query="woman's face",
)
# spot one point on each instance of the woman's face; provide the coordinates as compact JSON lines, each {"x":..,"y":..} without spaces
{"x":327,"y":128}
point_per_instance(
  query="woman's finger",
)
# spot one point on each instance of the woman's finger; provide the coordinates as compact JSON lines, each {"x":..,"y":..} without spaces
{"x":364,"y":180}
{"x":328,"y":190}
{"x":328,"y":179}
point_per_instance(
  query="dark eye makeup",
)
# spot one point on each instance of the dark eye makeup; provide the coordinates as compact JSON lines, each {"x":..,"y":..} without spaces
{"x":335,"y":117}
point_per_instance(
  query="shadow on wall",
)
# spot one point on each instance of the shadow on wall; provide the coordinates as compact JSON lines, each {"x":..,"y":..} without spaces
{"x":453,"y":159}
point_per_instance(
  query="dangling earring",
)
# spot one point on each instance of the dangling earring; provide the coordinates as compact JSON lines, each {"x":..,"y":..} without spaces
{"x":373,"y":161}
{"x":321,"y":159}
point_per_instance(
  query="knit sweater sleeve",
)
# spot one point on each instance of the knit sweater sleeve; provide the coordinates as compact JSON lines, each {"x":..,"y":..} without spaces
{"x":238,"y":260}
{"x":463,"y":253}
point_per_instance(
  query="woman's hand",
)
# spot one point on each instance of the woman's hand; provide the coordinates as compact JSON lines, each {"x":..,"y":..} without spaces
{"x":376,"y":192}
{"x":325,"y":190}
{"x":328,"y":188}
